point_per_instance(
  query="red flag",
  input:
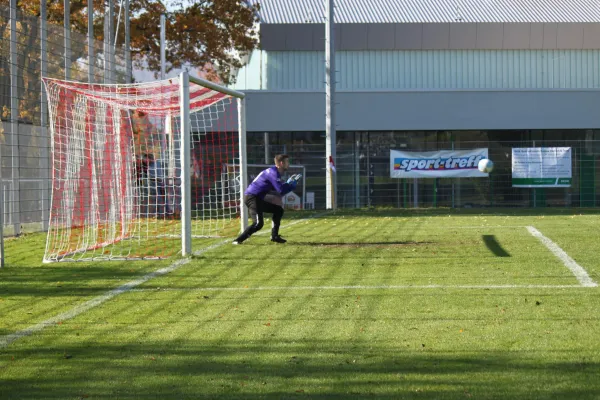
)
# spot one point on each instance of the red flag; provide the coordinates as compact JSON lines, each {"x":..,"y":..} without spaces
{"x":331,"y":164}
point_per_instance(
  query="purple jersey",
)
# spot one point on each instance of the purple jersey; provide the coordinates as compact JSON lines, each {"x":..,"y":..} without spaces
{"x":268,"y":180}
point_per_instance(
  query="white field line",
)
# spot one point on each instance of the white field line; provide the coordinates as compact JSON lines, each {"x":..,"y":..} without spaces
{"x":480,"y":226}
{"x":361,"y":287}
{"x":8,"y":339}
{"x":449,"y":227}
{"x":577,"y":270}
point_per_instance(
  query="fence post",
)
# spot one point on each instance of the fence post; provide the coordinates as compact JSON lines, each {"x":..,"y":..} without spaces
{"x":44,"y":119}
{"x":108,"y":49}
{"x":67,"y":43}
{"x":90,"y":40}
{"x":128,"y":66}
{"x":14,"y":120}
{"x":357,"y":170}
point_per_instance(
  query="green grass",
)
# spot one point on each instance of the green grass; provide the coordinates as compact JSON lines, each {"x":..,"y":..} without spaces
{"x":385,"y":304}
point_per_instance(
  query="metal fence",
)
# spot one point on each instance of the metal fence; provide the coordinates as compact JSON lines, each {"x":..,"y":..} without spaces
{"x":363,"y":178}
{"x":363,"y":175}
{"x":29,"y":49}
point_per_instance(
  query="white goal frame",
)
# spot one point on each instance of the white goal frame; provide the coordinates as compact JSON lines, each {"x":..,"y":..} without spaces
{"x":193,"y":109}
{"x":186,"y":194}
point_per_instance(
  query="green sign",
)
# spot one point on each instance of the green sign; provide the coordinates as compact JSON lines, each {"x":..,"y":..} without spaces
{"x":541,"y":167}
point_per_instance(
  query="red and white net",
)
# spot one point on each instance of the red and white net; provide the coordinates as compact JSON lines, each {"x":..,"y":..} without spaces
{"x":116,"y":168}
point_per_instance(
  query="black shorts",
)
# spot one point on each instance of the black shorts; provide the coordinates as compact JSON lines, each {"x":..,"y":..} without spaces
{"x":257,"y":206}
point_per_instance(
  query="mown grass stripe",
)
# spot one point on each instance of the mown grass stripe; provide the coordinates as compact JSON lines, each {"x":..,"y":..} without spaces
{"x":8,"y":339}
{"x":361,"y":287}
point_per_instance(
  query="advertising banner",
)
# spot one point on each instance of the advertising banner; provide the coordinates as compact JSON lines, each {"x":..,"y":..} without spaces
{"x":437,"y":164}
{"x":541,"y":167}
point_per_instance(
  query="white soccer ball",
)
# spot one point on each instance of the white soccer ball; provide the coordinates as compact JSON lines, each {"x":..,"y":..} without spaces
{"x":486,"y":165}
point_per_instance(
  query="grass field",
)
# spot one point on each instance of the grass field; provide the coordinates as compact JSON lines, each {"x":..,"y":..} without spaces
{"x":383,"y":304}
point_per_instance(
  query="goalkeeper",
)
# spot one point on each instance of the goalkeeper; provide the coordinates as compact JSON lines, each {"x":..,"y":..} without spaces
{"x":254,"y":198}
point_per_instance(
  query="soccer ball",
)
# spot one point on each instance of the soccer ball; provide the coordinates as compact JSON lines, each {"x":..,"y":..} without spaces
{"x":486,"y":165}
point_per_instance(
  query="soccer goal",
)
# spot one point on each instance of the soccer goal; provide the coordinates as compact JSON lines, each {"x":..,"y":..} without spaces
{"x":137,"y":168}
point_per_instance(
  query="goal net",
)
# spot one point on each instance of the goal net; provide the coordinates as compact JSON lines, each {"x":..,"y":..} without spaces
{"x":137,"y":168}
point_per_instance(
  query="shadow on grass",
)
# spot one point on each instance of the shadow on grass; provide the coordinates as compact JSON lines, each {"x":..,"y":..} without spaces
{"x":70,"y":279}
{"x":316,"y":369}
{"x":495,"y":247}
{"x":433,"y":212}
{"x":362,"y":244}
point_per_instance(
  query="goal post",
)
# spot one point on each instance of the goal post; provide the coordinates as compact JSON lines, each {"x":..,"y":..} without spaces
{"x":185,"y":78}
{"x":136,"y":168}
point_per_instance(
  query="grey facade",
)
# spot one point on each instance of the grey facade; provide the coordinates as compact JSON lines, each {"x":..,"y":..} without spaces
{"x":403,"y":68}
{"x":420,"y":77}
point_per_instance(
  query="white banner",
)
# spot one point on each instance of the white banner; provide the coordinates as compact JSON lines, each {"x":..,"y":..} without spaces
{"x":436,"y":164}
{"x":541,"y":167}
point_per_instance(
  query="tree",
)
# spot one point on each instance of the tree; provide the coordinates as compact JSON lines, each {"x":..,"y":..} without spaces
{"x":212,"y":35}
{"x":205,"y":34}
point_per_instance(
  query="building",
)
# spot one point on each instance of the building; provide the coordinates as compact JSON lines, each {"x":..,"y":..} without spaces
{"x":429,"y":75}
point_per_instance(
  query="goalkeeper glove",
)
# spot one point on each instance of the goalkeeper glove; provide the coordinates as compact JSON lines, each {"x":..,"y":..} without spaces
{"x":294,"y":178}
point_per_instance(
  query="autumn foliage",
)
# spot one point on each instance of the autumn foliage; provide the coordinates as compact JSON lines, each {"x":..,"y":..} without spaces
{"x":212,"y":35}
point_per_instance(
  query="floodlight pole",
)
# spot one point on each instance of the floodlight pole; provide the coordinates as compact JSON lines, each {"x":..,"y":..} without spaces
{"x":330,"y":140}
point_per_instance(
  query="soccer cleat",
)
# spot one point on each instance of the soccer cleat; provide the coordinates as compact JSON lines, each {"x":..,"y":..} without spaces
{"x":278,"y":239}
{"x":236,"y":242}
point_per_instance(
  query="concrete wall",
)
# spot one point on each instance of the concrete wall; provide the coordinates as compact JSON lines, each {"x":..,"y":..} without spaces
{"x":425,"y":110}
{"x":25,"y":185}
{"x":431,"y":36}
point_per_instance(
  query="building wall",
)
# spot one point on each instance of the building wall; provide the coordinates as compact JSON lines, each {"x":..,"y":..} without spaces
{"x":424,"y":69}
{"x":253,"y":74}
{"x":425,"y":110}
{"x":427,"y":76}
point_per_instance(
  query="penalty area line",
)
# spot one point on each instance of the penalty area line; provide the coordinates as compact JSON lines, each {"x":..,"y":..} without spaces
{"x":577,"y":270}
